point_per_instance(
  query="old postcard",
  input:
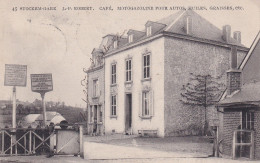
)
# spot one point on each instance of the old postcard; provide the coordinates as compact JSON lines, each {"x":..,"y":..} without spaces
{"x":129,"y":81}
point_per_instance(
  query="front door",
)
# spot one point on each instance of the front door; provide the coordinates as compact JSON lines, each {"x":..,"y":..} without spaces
{"x":128,"y":112}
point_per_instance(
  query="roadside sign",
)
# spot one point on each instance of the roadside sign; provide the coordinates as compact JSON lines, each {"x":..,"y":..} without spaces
{"x":15,"y":75}
{"x":41,"y":83}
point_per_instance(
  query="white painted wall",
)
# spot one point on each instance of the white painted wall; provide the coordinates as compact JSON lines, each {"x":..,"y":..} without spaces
{"x":156,"y":48}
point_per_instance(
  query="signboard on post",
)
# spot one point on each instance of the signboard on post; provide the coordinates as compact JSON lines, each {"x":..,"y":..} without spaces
{"x":41,"y":83}
{"x":15,"y":75}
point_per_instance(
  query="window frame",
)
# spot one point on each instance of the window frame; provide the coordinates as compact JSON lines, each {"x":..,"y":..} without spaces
{"x":130,"y":38}
{"x":115,"y":44}
{"x":146,"y":67}
{"x":149,"y":31}
{"x":245,"y":123}
{"x":143,"y":114}
{"x":128,"y":71}
{"x":113,"y":74}
{"x":146,"y":110}
{"x":95,"y":87}
{"x":113,"y":105}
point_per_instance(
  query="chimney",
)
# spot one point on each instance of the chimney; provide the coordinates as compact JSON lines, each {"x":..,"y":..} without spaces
{"x":237,"y":36}
{"x":226,"y":33}
{"x":188,"y":25}
{"x":233,"y":58}
{"x":234,"y":74}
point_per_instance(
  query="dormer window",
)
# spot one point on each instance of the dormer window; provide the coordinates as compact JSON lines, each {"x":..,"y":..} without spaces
{"x":130,"y":38}
{"x":115,"y":44}
{"x":149,"y":31}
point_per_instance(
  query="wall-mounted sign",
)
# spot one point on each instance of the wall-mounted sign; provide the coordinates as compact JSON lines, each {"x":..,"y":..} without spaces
{"x":41,"y":82}
{"x":15,"y":75}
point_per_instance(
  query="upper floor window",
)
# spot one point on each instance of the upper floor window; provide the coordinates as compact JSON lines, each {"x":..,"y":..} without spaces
{"x":115,"y":44}
{"x":113,"y":74}
{"x":247,"y":120}
{"x":146,"y":66}
{"x":149,"y":30}
{"x":130,"y":38}
{"x":95,"y":88}
{"x":113,"y":105}
{"x":129,"y":70}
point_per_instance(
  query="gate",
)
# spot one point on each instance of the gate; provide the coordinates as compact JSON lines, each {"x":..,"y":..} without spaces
{"x":67,"y":142}
{"x":24,"y":141}
{"x":243,"y":144}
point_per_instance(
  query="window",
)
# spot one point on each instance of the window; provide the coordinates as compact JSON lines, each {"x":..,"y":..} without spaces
{"x":113,"y":74}
{"x":149,"y":31}
{"x":91,"y":114}
{"x":130,"y":38}
{"x":115,"y":44}
{"x":95,"y":88}
{"x":146,"y":72}
{"x":113,"y":105}
{"x":100,"y":116}
{"x":146,"y":104}
{"x":128,"y":70}
{"x":247,"y":120}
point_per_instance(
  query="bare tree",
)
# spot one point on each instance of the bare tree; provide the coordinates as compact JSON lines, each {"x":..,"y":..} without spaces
{"x":201,"y":90}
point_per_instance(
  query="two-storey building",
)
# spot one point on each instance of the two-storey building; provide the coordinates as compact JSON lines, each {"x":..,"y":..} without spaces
{"x":145,"y":71}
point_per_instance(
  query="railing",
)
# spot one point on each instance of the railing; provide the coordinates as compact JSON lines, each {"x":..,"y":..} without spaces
{"x":24,"y":141}
{"x":243,"y":144}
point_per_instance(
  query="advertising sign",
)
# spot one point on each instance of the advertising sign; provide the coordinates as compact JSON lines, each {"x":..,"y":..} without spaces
{"x":15,"y":75}
{"x":41,"y":82}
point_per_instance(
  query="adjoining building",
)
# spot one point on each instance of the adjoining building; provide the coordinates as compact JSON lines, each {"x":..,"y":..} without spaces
{"x":144,"y":72}
{"x":95,"y":89}
{"x":239,"y":108}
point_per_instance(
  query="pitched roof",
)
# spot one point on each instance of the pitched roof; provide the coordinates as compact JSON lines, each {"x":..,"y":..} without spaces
{"x":249,"y":93}
{"x":201,"y":28}
{"x":252,"y":48}
{"x":175,"y":23}
{"x":244,"y":62}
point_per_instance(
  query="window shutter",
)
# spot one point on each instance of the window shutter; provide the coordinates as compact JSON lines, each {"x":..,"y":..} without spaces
{"x":110,"y":105}
{"x":117,"y":105}
{"x":140,"y":104}
{"x":151,"y":103}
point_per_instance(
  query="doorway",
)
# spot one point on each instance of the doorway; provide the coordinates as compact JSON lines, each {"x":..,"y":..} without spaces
{"x":128,"y":112}
{"x":95,"y":119}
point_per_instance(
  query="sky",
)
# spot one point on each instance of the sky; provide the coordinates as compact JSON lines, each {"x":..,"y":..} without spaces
{"x":61,"y":42}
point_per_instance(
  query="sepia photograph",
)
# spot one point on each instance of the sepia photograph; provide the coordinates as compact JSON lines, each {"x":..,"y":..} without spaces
{"x":97,"y":81}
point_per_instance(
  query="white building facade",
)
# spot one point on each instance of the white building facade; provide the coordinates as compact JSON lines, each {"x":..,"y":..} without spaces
{"x":134,"y":93}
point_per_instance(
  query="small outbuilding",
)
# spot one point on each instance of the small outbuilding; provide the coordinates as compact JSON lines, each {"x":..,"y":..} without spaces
{"x":239,"y":107}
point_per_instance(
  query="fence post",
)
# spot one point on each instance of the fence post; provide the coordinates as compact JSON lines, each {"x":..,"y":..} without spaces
{"x":234,"y":145}
{"x":3,"y":141}
{"x":30,"y":142}
{"x":81,"y":140}
{"x":11,"y":149}
{"x":217,"y":147}
{"x":252,"y":150}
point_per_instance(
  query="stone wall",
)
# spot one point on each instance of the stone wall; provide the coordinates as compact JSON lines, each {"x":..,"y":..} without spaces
{"x":183,"y":57}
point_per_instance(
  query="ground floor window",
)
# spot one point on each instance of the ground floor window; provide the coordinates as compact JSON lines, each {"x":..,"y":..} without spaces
{"x":113,"y":105}
{"x":146,"y":109}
